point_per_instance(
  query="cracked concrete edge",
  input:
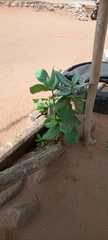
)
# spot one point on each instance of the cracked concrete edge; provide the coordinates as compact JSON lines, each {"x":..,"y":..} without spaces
{"x":22,"y":143}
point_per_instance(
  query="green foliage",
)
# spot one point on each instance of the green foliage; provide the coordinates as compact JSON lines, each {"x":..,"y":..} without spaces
{"x":44,"y":104}
{"x":52,"y":132}
{"x":60,"y":116}
{"x":39,"y":141}
{"x":39,"y":88}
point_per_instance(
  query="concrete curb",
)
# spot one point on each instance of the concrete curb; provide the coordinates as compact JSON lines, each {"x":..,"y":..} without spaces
{"x":22,"y":143}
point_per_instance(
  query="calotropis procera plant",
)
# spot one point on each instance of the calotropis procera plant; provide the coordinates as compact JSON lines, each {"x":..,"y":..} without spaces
{"x":67,"y":100}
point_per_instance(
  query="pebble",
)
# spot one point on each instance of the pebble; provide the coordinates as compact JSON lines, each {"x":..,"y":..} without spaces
{"x":61,"y":5}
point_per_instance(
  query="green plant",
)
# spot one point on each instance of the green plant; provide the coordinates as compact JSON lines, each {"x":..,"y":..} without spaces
{"x":39,"y":140}
{"x":43,"y":105}
{"x":67,"y":101}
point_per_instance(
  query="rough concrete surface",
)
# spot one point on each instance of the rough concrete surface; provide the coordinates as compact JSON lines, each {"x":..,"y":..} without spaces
{"x":19,"y":215}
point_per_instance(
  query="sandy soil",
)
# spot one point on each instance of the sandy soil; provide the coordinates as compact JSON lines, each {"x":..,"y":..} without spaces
{"x":73,"y":203}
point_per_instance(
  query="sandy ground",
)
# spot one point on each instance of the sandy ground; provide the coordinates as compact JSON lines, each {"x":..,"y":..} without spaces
{"x":28,"y":40}
{"x":73,"y":203}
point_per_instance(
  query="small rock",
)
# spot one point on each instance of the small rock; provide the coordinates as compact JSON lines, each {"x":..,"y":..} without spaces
{"x":49,"y":7}
{"x":78,"y":18}
{"x":55,"y":5}
{"x":26,"y":4}
{"x":67,"y":6}
{"x":18,"y":215}
{"x":84,"y":18}
{"x":8,"y":4}
{"x":92,"y":141}
{"x":32,"y":5}
{"x":80,"y":10}
{"x":75,"y":10}
{"x":13,"y":4}
{"x":61,"y":5}
{"x":70,"y":5}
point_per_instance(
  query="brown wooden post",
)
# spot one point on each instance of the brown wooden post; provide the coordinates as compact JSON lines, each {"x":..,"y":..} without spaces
{"x":100,"y":33}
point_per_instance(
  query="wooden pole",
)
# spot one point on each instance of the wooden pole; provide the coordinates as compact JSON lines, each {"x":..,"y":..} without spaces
{"x":100,"y":33}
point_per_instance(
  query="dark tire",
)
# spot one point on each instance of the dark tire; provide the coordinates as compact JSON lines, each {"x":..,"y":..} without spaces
{"x":101,"y":100}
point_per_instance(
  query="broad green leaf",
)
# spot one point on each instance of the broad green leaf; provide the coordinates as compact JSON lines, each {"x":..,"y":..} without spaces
{"x":67,"y":115}
{"x":50,"y":124}
{"x":38,"y":140}
{"x":72,"y":137}
{"x":71,"y":84}
{"x":81,"y":96}
{"x":75,"y":78}
{"x":42,"y":144}
{"x":78,"y":96}
{"x":52,"y":132}
{"x":63,"y":88}
{"x":50,"y":116}
{"x":79,"y":86}
{"x":39,"y":137}
{"x":61,"y":103}
{"x":77,"y":122}
{"x":64,"y":93}
{"x":66,"y":128}
{"x":51,"y":80}
{"x":61,"y":78}
{"x":79,"y":105}
{"x":55,"y":84}
{"x":39,"y":88}
{"x":42,"y":76}
{"x":71,"y":96}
